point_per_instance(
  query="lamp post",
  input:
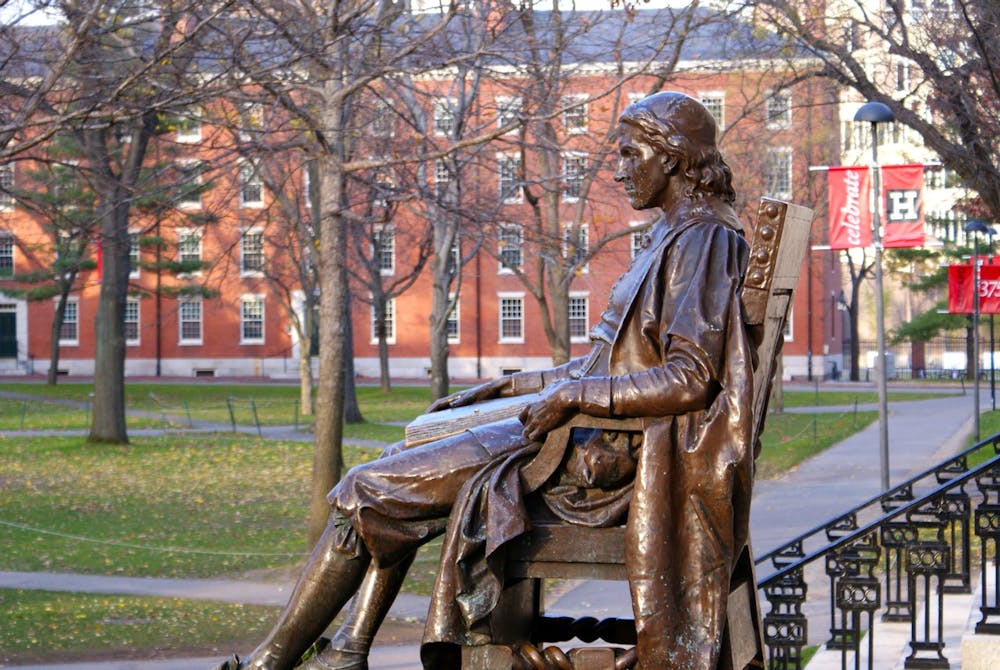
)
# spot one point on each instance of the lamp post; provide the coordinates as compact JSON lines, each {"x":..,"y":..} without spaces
{"x":876,"y":113}
{"x":975,"y":226}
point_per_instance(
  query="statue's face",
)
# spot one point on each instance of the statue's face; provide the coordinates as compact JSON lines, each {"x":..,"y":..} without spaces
{"x":641,"y":169}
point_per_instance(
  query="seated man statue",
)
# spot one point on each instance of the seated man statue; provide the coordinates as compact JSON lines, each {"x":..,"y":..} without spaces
{"x":671,"y":347}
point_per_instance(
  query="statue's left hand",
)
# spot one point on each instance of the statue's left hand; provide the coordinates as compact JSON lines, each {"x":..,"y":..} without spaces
{"x":558,"y":403}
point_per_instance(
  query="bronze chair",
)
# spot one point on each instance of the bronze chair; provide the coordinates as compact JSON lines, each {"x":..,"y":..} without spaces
{"x":554,"y":549}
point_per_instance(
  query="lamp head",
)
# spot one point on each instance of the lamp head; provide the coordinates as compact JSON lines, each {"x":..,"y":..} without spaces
{"x":874,"y":112}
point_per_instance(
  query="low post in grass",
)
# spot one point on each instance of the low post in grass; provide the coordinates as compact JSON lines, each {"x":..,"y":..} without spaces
{"x":256,"y":420}
{"x":187,"y":411}
{"x":24,"y":411}
{"x":295,"y":413}
{"x":232,"y":412}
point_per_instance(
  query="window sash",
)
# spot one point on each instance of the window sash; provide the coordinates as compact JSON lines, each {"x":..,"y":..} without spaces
{"x":252,"y":320}
{"x":252,"y":252}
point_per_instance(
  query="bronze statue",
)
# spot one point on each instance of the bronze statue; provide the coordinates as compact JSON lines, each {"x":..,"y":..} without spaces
{"x":671,"y":346}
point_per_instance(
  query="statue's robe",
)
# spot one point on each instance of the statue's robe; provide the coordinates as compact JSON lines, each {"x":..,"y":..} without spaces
{"x":671,"y":346}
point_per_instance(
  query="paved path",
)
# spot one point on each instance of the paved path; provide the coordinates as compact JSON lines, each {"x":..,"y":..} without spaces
{"x":921,"y":433}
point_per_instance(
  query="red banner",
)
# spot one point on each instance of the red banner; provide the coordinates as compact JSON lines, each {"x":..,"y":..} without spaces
{"x":960,"y":289}
{"x":850,"y":211}
{"x":902,"y":193}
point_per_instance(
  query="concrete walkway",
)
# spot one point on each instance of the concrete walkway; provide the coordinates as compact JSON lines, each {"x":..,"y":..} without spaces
{"x":921,"y":433}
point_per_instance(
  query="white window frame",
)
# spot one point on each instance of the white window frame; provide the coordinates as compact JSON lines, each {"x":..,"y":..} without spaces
{"x":249,"y":177}
{"x":183,"y":301}
{"x":390,"y":322}
{"x":784,"y":154}
{"x":508,"y":171}
{"x":129,"y":303}
{"x":576,"y":114}
{"x":251,"y":120}
{"x":454,"y":317}
{"x":442,"y":178}
{"x":379,"y":250}
{"x":383,"y":123}
{"x":578,"y":178}
{"x":501,"y":338}
{"x":186,"y":167}
{"x":635,"y":239}
{"x":585,"y":297}
{"x":444,"y":112}
{"x":134,"y":254}
{"x":8,"y":254}
{"x":778,"y":118}
{"x":789,"y":333}
{"x":191,"y":133}
{"x":257,"y":233}
{"x":711,"y":100}
{"x":7,"y":182}
{"x":245,"y":301}
{"x":508,"y":109}
{"x":583,"y":240}
{"x":192,"y":235}
{"x":72,"y":308}
{"x":502,"y":243}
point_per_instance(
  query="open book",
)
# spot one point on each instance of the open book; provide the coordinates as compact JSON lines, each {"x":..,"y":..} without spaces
{"x":437,"y":425}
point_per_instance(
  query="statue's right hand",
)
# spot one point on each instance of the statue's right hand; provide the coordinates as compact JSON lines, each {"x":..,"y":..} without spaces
{"x":487,"y":391}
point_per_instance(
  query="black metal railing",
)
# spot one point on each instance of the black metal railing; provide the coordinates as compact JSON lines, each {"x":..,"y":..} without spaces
{"x":898,"y":552}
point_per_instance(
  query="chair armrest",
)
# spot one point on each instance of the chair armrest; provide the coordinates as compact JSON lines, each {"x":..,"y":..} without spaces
{"x":547,"y":460}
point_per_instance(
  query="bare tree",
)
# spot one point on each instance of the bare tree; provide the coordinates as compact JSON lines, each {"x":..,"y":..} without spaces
{"x":935,"y":64}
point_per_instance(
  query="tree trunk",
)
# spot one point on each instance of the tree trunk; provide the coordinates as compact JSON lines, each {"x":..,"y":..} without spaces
{"x":379,"y":309}
{"x":327,"y":456}
{"x":57,"y":321}
{"x":352,"y":412}
{"x":108,"y":418}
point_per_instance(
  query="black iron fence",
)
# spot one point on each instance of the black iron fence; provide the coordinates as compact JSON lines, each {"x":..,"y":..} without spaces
{"x":897,"y":553}
{"x":940,"y":358}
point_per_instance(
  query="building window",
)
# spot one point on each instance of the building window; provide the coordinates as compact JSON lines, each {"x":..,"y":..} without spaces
{"x":189,"y":314}
{"x":779,"y":110}
{"x":389,"y":323}
{"x":251,"y":121}
{"x":575,"y":114}
{"x":189,"y":249}
{"x":508,"y":112}
{"x":576,"y":246}
{"x":778,"y":172}
{"x":509,"y":168}
{"x":189,"y":127}
{"x":252,"y":319}
{"x":511,"y":244}
{"x":382,"y":121}
{"x":251,"y":186}
{"x":384,"y":250}
{"x":442,"y":178}
{"x":131,"y":321}
{"x":133,"y":255}
{"x":444,"y":117}
{"x":579,"y":317}
{"x":6,"y":186}
{"x":715,"y":103}
{"x":639,"y":238}
{"x":189,"y":184}
{"x":511,"y":318}
{"x":452,"y":324}
{"x":252,"y":252}
{"x":574,"y":171}
{"x":69,"y":332}
{"x":6,"y":255}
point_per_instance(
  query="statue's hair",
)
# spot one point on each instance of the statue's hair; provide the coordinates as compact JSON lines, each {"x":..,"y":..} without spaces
{"x":681,"y":127}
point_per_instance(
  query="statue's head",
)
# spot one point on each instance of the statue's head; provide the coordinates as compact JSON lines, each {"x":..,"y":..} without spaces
{"x":680,"y":135}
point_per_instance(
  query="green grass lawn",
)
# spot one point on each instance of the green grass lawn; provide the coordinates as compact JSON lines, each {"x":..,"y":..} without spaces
{"x":40,"y":625}
{"x":193,"y":505}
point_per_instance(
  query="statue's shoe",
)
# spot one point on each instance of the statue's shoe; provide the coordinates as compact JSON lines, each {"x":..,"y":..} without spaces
{"x":323,"y":657}
{"x":229,"y":664}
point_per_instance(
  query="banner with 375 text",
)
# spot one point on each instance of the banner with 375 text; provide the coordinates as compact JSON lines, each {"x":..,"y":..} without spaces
{"x":960,"y":281}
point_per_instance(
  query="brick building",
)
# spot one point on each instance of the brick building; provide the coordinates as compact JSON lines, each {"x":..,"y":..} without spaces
{"x":228,"y":318}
